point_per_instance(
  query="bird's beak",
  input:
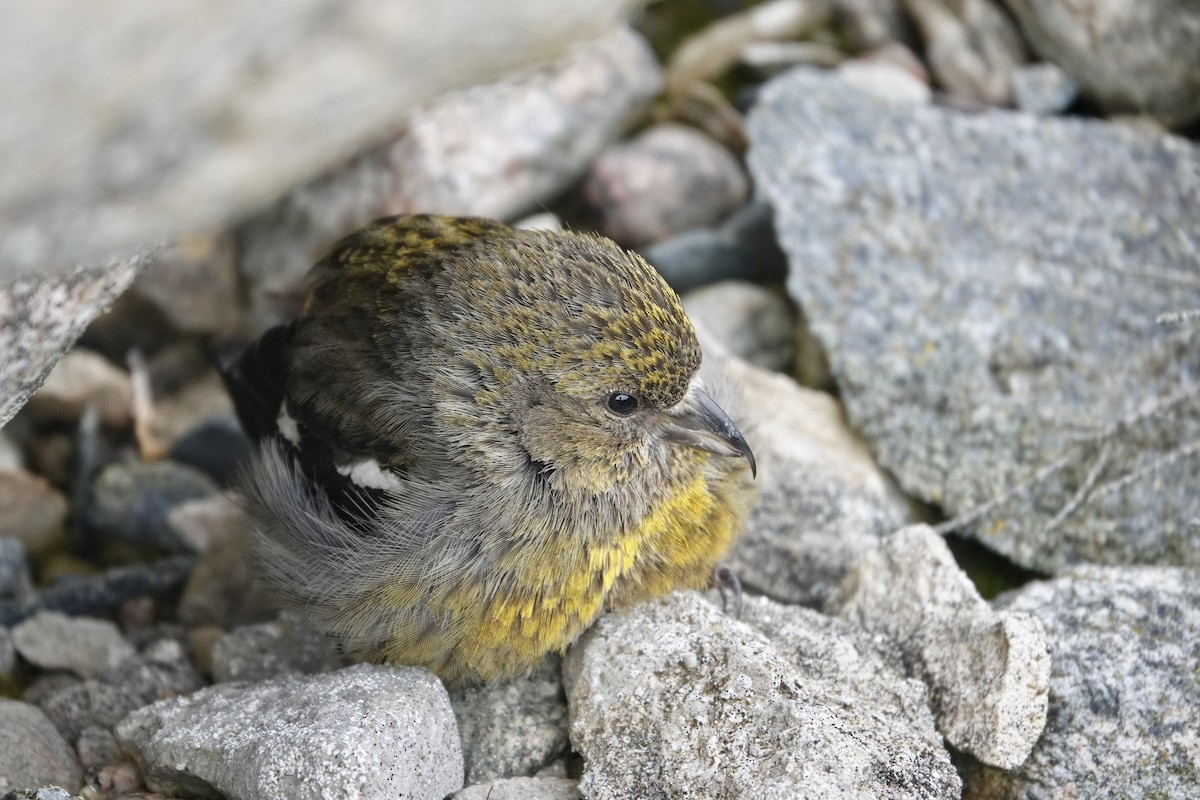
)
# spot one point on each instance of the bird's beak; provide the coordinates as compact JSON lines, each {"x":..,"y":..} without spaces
{"x":700,"y":423}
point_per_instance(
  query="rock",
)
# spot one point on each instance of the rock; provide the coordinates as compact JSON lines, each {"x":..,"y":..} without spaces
{"x":885,"y":80}
{"x":41,"y":316}
{"x":8,"y":656}
{"x":85,"y":646}
{"x":707,"y":55}
{"x":97,"y":747}
{"x":303,"y":737}
{"x":224,"y":589}
{"x":11,"y":457}
{"x":93,"y":594}
{"x":673,"y":698}
{"x":201,"y":268}
{"x":667,"y":180}
{"x":1044,"y":89}
{"x":742,"y":248}
{"x":133,"y":502}
{"x":868,"y":24}
{"x":80,"y":379}
{"x":228,"y":106}
{"x":512,"y":728}
{"x":162,"y":671}
{"x":750,"y":321}
{"x":972,"y":47}
{"x":16,"y":585}
{"x":987,"y":671}
{"x":521,"y":789}
{"x":32,"y":752}
{"x":42,"y":793}
{"x":495,"y":151}
{"x":186,"y":412}
{"x":1124,"y":688}
{"x":770,"y":58}
{"x":268,"y":650}
{"x":947,"y":292}
{"x":1128,"y":57}
{"x":218,"y":446}
{"x":31,"y":511}
{"x":823,"y":503}
{"x":208,"y":522}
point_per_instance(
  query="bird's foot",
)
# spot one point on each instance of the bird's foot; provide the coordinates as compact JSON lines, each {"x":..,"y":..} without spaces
{"x":727,"y":584}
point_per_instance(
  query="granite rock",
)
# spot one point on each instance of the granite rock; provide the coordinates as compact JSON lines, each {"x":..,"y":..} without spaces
{"x":987,"y":289}
{"x":987,"y":671}
{"x":1124,"y":687}
{"x":512,"y":728}
{"x":365,"y":731}
{"x":673,"y":698}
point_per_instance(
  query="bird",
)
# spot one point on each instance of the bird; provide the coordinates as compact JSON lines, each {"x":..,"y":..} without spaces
{"x":474,"y":439}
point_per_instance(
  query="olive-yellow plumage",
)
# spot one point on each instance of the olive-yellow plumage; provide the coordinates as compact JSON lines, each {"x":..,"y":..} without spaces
{"x":475,"y":439}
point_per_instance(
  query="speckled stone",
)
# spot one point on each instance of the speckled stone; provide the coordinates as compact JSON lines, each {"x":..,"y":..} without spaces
{"x":987,"y":288}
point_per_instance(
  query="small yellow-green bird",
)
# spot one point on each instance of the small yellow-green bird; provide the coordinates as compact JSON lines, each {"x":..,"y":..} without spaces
{"x":475,"y":439}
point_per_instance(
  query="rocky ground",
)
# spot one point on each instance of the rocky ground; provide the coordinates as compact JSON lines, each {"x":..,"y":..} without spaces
{"x":951,"y":252}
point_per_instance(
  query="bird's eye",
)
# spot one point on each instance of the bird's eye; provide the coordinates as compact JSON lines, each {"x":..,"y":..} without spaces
{"x":622,"y":403}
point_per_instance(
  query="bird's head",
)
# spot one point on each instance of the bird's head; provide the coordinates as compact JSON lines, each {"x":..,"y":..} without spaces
{"x":574,"y":360}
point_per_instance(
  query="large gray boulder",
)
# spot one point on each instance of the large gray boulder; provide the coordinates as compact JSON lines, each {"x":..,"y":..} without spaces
{"x":989,"y":289}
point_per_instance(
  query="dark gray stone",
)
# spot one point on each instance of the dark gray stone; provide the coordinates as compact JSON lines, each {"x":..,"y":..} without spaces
{"x":1124,"y":687}
{"x":742,"y":248}
{"x":15,"y":582}
{"x":133,"y":501}
{"x":987,"y":287}
{"x":94,"y":594}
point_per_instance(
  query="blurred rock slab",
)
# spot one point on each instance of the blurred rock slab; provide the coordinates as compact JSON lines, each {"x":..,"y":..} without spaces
{"x":227,"y":104}
{"x":1124,"y":687}
{"x":41,"y":316}
{"x":672,"y":698}
{"x":496,"y":150}
{"x":987,"y":288}
{"x":369,"y":732}
{"x":1129,"y":57}
{"x":987,"y":671}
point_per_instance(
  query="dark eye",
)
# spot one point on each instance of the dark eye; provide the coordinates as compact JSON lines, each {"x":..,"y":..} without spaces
{"x":622,"y":403}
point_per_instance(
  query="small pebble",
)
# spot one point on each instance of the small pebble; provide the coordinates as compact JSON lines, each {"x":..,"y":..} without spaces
{"x":1044,"y":88}
{"x":668,"y":180}
{"x":32,"y":511}
{"x":80,"y":378}
{"x":132,"y":502}
{"x":83,"y":645}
